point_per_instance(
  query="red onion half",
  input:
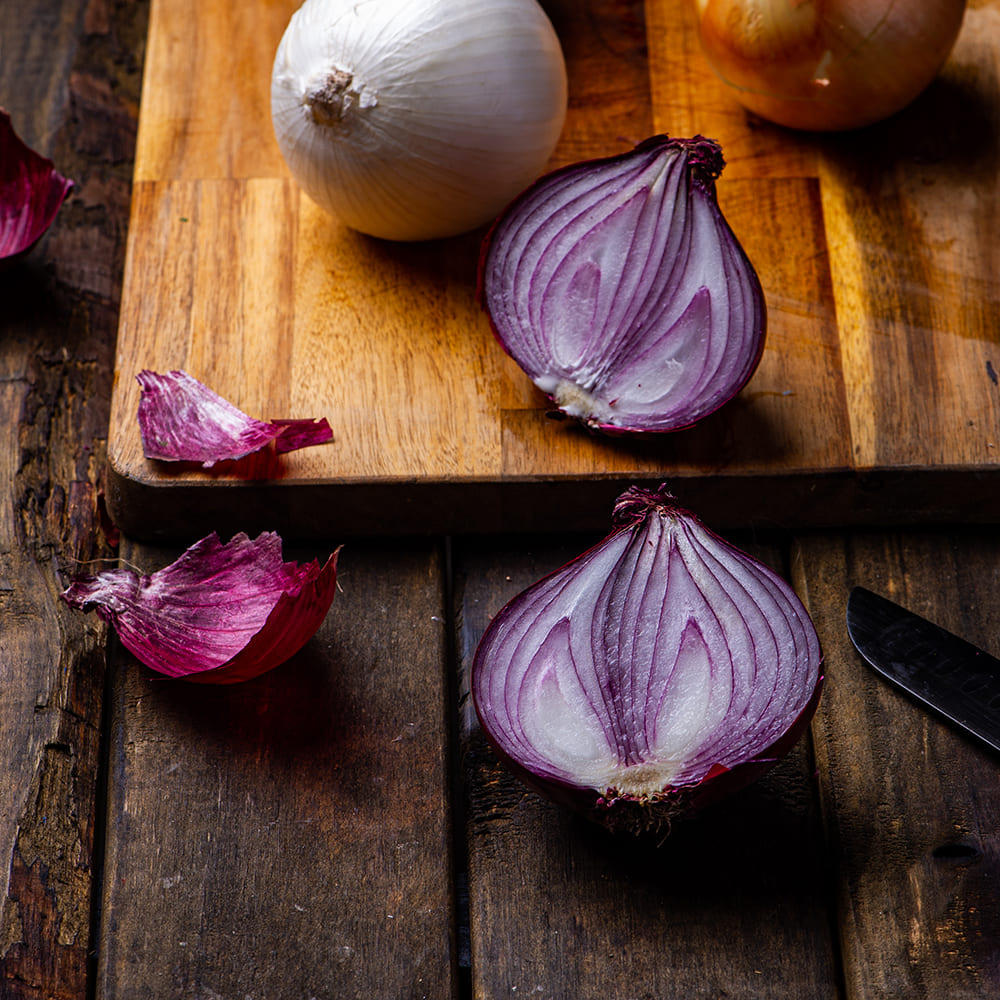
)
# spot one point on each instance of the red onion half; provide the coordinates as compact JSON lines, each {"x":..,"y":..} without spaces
{"x":651,"y":675}
{"x":620,"y":289}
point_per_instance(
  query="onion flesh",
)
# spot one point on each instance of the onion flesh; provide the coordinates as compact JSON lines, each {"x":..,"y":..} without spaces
{"x":827,"y":65}
{"x":657,"y":671}
{"x":620,"y":289}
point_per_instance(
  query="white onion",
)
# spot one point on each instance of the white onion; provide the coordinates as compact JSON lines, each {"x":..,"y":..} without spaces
{"x":417,"y":119}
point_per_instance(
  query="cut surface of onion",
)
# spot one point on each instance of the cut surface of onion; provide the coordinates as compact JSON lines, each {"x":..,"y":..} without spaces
{"x":620,"y":289}
{"x":657,"y":671}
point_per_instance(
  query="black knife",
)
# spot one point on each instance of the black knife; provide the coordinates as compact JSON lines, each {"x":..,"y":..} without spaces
{"x":946,"y":673}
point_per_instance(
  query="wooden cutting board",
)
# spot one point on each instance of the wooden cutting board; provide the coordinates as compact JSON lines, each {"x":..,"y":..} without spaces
{"x":877,"y":397}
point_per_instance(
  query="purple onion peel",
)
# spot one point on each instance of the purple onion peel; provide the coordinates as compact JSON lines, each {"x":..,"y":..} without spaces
{"x":182,"y":420}
{"x":658,"y":671}
{"x":219,"y":614}
{"x":31,"y":192}
{"x":620,"y":289}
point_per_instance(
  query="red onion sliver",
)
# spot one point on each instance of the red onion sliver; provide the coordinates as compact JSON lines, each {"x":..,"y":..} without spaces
{"x":220,"y":613}
{"x":31,"y":191}
{"x":620,"y":289}
{"x":182,"y":420}
{"x":658,"y":670}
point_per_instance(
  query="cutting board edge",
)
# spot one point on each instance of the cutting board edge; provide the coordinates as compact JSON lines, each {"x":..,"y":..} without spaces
{"x":183,"y":512}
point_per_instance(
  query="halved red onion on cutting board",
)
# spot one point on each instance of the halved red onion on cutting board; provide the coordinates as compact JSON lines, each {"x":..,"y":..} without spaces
{"x":622,"y":292}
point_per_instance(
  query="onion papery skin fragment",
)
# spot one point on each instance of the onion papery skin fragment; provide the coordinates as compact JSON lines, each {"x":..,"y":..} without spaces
{"x":31,"y":193}
{"x":657,"y":672}
{"x":620,"y":289}
{"x":827,"y":65}
{"x":417,"y":119}
{"x":219,"y":614}
{"x":182,"y":420}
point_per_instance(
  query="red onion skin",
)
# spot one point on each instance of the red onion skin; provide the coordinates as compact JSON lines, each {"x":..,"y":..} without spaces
{"x":292,"y":623}
{"x":705,"y":165}
{"x":31,"y":193}
{"x":651,"y":814}
{"x":214,"y":596}
{"x":182,"y":420}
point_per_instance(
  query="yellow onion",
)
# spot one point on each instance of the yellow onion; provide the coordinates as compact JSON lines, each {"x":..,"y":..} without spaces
{"x":827,"y":65}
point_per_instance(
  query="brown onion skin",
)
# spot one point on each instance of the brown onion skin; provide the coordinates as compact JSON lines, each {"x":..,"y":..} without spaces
{"x":642,"y":817}
{"x":881,"y":55}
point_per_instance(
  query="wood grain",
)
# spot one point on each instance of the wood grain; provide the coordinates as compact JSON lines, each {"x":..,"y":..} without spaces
{"x":228,"y":810}
{"x":69,"y":77}
{"x":876,"y":399}
{"x":913,"y":807}
{"x":732,"y":903}
{"x":290,"y":836}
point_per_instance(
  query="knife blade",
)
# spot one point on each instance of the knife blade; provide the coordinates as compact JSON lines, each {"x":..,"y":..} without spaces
{"x":955,"y":678}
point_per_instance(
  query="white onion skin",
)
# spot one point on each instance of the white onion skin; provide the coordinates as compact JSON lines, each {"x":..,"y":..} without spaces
{"x":828,"y":65}
{"x":458,"y":105}
{"x":565,"y":675}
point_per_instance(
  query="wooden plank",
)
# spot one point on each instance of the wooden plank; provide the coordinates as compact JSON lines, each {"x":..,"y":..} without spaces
{"x":918,"y":313}
{"x":69,"y":79}
{"x":731,"y":904}
{"x":51,"y":695}
{"x":913,"y":807}
{"x":290,"y":836}
{"x":874,"y":249}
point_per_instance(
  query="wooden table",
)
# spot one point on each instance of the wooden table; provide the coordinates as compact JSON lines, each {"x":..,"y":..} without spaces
{"x":338,"y":828}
